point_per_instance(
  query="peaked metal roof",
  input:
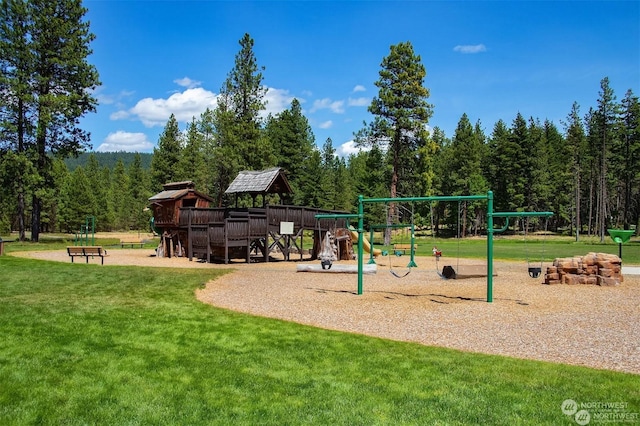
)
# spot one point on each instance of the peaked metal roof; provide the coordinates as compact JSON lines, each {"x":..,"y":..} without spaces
{"x":271,"y":181}
{"x":177,"y":190}
{"x":173,"y":194}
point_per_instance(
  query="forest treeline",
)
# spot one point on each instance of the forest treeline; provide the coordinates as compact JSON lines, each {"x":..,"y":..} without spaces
{"x":529,"y":164}
{"x":587,"y":172}
{"x":109,"y":159}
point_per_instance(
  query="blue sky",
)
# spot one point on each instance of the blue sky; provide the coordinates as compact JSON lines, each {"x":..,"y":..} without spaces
{"x":488,"y":59}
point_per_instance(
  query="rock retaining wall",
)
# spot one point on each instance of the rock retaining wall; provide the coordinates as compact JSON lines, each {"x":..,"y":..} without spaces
{"x":594,"y":268}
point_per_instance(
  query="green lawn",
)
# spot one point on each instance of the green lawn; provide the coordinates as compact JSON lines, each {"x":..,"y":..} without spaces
{"x":534,"y":248}
{"x":92,"y":344}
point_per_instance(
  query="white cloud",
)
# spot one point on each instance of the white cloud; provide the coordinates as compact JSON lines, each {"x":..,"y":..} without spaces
{"x":359,"y":88}
{"x":349,"y":148}
{"x":125,"y":141}
{"x":277,"y":101}
{"x":358,"y":101}
{"x":110,"y":99}
{"x":470,"y":48}
{"x":191,"y":103}
{"x":326,"y":124}
{"x":326,"y":103}
{"x":184,"y":105}
{"x":119,"y":115}
{"x":187,"y":82}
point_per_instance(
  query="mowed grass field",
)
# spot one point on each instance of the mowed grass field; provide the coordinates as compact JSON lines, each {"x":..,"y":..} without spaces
{"x":92,"y":344}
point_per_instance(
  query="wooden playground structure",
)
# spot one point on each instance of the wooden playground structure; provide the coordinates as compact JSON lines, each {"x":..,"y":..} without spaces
{"x":189,"y":227}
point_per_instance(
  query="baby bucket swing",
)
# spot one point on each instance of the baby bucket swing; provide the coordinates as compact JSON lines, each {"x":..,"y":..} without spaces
{"x":534,"y":271}
{"x":448,"y":271}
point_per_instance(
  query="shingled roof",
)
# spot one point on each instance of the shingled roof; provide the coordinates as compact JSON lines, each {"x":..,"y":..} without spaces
{"x":270,"y":181}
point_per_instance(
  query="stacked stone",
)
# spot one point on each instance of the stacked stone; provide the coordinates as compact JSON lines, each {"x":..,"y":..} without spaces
{"x":594,"y":268}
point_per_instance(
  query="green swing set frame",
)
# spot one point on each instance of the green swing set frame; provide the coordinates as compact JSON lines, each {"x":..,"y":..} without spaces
{"x":490,"y":226}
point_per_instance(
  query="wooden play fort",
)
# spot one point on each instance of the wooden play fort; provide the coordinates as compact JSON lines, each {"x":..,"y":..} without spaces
{"x":594,"y":268}
{"x":190,"y":227}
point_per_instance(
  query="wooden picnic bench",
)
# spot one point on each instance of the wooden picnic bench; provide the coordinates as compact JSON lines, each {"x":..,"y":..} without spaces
{"x":397,"y":248}
{"x":131,"y":243}
{"x":87,"y":251}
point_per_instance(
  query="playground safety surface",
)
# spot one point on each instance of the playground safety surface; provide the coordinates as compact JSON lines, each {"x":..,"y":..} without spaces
{"x":586,"y":325}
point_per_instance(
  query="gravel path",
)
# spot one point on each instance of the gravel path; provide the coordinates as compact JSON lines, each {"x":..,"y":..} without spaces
{"x":585,"y":325}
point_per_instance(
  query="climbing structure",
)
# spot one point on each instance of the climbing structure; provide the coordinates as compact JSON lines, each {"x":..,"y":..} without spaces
{"x":249,"y":233}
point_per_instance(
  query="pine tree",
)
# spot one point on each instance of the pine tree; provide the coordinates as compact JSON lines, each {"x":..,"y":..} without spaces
{"x":166,"y":155}
{"x":239,"y":143}
{"x":503,"y":171}
{"x":606,"y":119}
{"x":16,"y":102}
{"x":310,"y":193}
{"x":293,"y":142}
{"x":401,"y":115}
{"x":465,"y":166}
{"x":401,"y":110}
{"x":536,"y":160}
{"x":192,"y":164}
{"x":225,"y":157}
{"x":139,"y":193}
{"x":77,"y":201}
{"x":244,"y":86}
{"x":101,"y":188}
{"x":122,"y":202}
{"x":46,"y":77}
{"x":628,"y":160}
{"x":207,"y":131}
{"x":559,"y":196}
{"x":327,"y":178}
{"x":576,"y":145}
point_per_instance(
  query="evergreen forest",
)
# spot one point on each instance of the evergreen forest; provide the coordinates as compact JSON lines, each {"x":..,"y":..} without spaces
{"x":587,"y":171}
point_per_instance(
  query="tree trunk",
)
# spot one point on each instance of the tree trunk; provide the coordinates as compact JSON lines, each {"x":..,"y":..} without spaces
{"x":577,"y":201}
{"x":35,"y":219}
{"x":590,"y":218}
{"x":21,"y":208}
{"x":393,"y":189}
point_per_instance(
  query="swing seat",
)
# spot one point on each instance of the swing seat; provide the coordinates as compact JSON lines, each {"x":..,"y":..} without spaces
{"x":465,"y":271}
{"x":326,"y":264}
{"x":534,"y":271}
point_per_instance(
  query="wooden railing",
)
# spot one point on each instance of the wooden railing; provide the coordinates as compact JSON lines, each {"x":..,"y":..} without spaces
{"x":211,"y":228}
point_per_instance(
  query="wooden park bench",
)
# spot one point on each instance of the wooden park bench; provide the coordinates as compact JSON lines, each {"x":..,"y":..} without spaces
{"x":87,"y":251}
{"x":131,"y":243}
{"x":404,"y":248}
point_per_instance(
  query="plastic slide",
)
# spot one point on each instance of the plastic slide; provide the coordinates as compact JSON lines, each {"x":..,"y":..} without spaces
{"x":365,"y":243}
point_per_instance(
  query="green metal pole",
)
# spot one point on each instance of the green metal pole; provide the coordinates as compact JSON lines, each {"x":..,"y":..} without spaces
{"x":93,"y":230}
{"x":371,"y":259}
{"x":490,"y":246}
{"x":412,"y":263}
{"x":360,"y":245}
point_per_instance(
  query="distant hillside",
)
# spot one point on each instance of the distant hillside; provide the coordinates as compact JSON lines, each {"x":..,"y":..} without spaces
{"x":109,"y":159}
